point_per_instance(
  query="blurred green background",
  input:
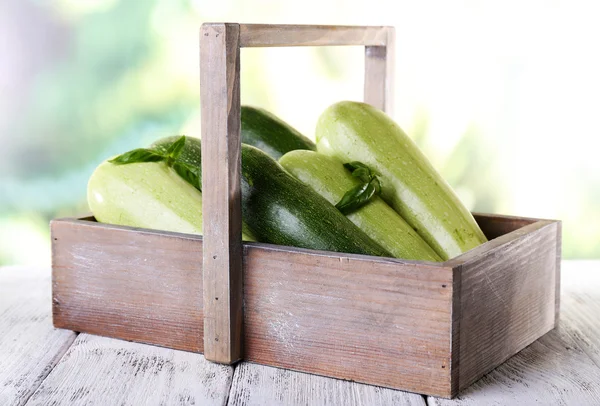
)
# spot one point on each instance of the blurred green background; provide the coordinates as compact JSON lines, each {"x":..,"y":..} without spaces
{"x":502,"y":96}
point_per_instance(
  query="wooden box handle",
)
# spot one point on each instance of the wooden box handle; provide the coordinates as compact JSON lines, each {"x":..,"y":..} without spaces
{"x":220,"y":45}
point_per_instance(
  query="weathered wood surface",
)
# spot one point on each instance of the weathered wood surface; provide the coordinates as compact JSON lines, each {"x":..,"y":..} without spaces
{"x":257,"y":385}
{"x":313,"y":311}
{"x":379,"y":74}
{"x":581,"y":305}
{"x":495,"y":225}
{"x":353,"y":317}
{"x":561,"y":368}
{"x":268,"y":35}
{"x":104,"y":371}
{"x":507,"y":299}
{"x":132,"y":284}
{"x":222,"y":209}
{"x":29,"y":346}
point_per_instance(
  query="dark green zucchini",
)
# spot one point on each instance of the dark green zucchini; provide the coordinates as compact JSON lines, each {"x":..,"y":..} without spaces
{"x":280,"y":209}
{"x":270,"y":134}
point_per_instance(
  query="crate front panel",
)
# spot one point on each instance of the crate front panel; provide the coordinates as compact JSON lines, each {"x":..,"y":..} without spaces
{"x":363,"y":319}
{"x":378,"y":321}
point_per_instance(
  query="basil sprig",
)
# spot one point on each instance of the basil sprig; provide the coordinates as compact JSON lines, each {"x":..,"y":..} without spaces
{"x":190,"y":173}
{"x":362,"y":193}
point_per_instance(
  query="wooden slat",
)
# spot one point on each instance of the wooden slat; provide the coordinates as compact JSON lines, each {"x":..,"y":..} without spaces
{"x":222,"y":213}
{"x":132,"y":284}
{"x":561,"y":368}
{"x":495,"y":225}
{"x":558,"y":271}
{"x":350,"y":317}
{"x":260,"y":385}
{"x":551,"y":371}
{"x":268,"y":35}
{"x":507,"y":298}
{"x":29,"y":346}
{"x":581,"y":304}
{"x":103,"y":371}
{"x":379,"y":74}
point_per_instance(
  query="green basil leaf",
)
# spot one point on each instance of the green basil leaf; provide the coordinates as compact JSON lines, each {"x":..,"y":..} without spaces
{"x":136,"y":156}
{"x":359,"y":170}
{"x":376,"y":184}
{"x":363,"y":174}
{"x":191,"y":174}
{"x":176,"y":148}
{"x":361,"y":194}
{"x":351,"y":166}
{"x":352,"y":199}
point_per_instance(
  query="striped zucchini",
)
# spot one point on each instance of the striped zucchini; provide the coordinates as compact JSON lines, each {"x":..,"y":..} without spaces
{"x":328,"y":177}
{"x":354,"y":131}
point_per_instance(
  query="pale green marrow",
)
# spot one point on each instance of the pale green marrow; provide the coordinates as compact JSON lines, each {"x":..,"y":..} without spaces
{"x":328,"y":177}
{"x":148,"y":195}
{"x":353,"y":131}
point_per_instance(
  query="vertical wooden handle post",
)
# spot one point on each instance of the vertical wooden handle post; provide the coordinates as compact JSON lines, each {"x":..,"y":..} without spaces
{"x":220,"y":45}
{"x":222,"y":213}
{"x":379,"y":73}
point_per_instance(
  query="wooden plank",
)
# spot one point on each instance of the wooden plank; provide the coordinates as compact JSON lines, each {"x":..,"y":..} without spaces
{"x":558,"y":271}
{"x":269,"y":35}
{"x":551,"y":371}
{"x":350,"y":317}
{"x":495,"y":225}
{"x":222,"y":210}
{"x":379,"y":74}
{"x":563,"y":367}
{"x":260,"y":385}
{"x":103,"y":371}
{"x":507,"y":298}
{"x":29,"y":346}
{"x":128,"y":283}
{"x":581,"y":304}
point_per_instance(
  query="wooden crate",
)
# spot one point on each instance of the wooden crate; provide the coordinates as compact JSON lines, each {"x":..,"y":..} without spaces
{"x":431,"y":328}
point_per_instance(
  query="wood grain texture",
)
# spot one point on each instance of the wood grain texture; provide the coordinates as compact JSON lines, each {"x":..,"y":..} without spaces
{"x":29,"y":346}
{"x":222,"y":210}
{"x":558,"y":271}
{"x":507,"y":298}
{"x":551,"y":371}
{"x":261,"y":385}
{"x":103,"y":371}
{"x":370,"y":320}
{"x":128,"y":283}
{"x":399,"y":324}
{"x":581,"y":305}
{"x":269,"y":35}
{"x":379,"y":74}
{"x":495,"y":225}
{"x":561,"y":368}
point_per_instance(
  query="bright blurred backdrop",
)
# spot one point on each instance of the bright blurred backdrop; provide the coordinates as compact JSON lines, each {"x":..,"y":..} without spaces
{"x":503,"y":97}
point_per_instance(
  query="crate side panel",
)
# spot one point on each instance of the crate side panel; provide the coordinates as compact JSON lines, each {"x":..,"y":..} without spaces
{"x":496,"y":225}
{"x":364,"y":320}
{"x":128,"y":284}
{"x":507,"y":299}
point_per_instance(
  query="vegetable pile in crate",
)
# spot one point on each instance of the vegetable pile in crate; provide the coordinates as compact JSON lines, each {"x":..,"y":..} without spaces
{"x":359,"y":261}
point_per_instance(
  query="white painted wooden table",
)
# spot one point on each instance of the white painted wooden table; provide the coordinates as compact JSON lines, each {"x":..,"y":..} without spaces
{"x":40,"y":365}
